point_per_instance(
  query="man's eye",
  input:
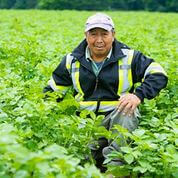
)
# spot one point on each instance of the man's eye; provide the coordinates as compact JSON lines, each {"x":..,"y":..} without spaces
{"x":105,"y":34}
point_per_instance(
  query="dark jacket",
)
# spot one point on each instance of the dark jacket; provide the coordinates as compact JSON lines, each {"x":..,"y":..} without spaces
{"x":104,"y":87}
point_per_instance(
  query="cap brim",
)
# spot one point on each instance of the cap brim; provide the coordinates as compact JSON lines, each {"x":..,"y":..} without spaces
{"x":103,"y":26}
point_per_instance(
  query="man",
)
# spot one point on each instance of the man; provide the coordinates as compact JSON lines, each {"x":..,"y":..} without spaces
{"x":103,"y":72}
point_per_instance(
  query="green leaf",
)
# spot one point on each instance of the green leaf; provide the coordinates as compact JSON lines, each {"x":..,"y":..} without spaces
{"x":21,"y":174}
{"x":139,"y":169}
{"x":176,"y":142}
{"x":136,"y":154}
{"x":139,"y":132}
{"x":171,"y":149}
{"x":126,"y":149}
{"x":55,"y":151}
{"x":128,"y":158}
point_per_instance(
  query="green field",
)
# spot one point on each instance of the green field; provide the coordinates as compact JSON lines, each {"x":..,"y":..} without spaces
{"x":42,"y":138}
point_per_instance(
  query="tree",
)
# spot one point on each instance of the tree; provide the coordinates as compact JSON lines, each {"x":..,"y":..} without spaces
{"x":7,"y":4}
{"x":150,"y":5}
{"x":25,"y":4}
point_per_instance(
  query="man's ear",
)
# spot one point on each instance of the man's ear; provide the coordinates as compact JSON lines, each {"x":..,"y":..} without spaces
{"x":113,"y":35}
{"x":86,"y":36}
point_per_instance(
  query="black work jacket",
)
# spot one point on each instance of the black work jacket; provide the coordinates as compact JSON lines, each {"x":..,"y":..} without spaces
{"x":104,"y":87}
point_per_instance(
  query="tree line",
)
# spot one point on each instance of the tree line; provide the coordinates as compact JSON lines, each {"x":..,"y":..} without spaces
{"x":149,"y":5}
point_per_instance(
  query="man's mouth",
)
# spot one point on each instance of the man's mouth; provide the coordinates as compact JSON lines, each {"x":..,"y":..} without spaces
{"x":99,"y":47}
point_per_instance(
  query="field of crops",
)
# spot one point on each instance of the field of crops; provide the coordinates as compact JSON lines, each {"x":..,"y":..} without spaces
{"x":42,"y":138}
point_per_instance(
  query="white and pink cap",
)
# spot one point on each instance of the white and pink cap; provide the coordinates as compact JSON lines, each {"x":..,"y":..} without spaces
{"x":99,"y":20}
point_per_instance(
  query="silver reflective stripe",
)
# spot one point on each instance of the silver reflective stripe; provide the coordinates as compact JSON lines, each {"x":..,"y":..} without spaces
{"x":76,"y":83}
{"x":104,"y":105}
{"x":126,"y":67}
{"x":69,"y":59}
{"x":52,"y":84}
{"x":101,"y":109}
{"x":73,"y":70}
{"x":60,"y":88}
{"x":154,"y":68}
{"x":105,"y":108}
{"x":125,"y":77}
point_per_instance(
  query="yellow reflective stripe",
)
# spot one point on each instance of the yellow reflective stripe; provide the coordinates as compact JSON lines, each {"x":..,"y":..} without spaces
{"x":125,"y":74}
{"x":80,"y":95}
{"x":104,"y":103}
{"x":60,"y":88}
{"x":154,"y":67}
{"x":68,"y":66}
{"x":157,"y":71}
{"x":68,"y":62}
{"x":155,"y":64}
{"x":131,"y":52}
{"x":120,"y":77}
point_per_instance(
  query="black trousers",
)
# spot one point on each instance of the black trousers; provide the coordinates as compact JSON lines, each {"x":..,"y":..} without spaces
{"x":97,"y":154}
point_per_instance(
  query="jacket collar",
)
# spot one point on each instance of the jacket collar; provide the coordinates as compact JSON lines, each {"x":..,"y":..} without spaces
{"x":79,"y":51}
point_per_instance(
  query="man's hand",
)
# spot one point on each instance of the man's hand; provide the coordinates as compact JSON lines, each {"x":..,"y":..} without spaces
{"x":128,"y":103}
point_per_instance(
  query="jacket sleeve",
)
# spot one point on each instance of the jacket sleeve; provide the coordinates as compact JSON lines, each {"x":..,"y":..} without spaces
{"x":60,"y":80}
{"x":152,"y":76}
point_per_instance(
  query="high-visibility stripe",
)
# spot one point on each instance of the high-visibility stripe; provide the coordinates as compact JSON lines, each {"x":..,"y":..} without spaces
{"x":125,"y":82}
{"x":73,"y":69}
{"x":76,"y":82}
{"x":121,"y":76}
{"x":104,"y":105}
{"x":125,"y":73}
{"x":131,"y":53}
{"x":60,"y":88}
{"x":69,"y":59}
{"x":154,"y":67}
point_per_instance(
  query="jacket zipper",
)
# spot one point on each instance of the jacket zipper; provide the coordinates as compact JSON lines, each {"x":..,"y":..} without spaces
{"x":96,"y":85}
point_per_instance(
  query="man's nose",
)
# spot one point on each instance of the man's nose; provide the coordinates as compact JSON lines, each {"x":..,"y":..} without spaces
{"x":99,"y":38}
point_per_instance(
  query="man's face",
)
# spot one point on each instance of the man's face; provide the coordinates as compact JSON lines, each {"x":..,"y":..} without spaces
{"x":99,"y":42}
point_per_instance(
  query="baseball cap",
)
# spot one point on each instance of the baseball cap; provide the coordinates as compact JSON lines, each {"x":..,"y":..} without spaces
{"x":99,"y":20}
